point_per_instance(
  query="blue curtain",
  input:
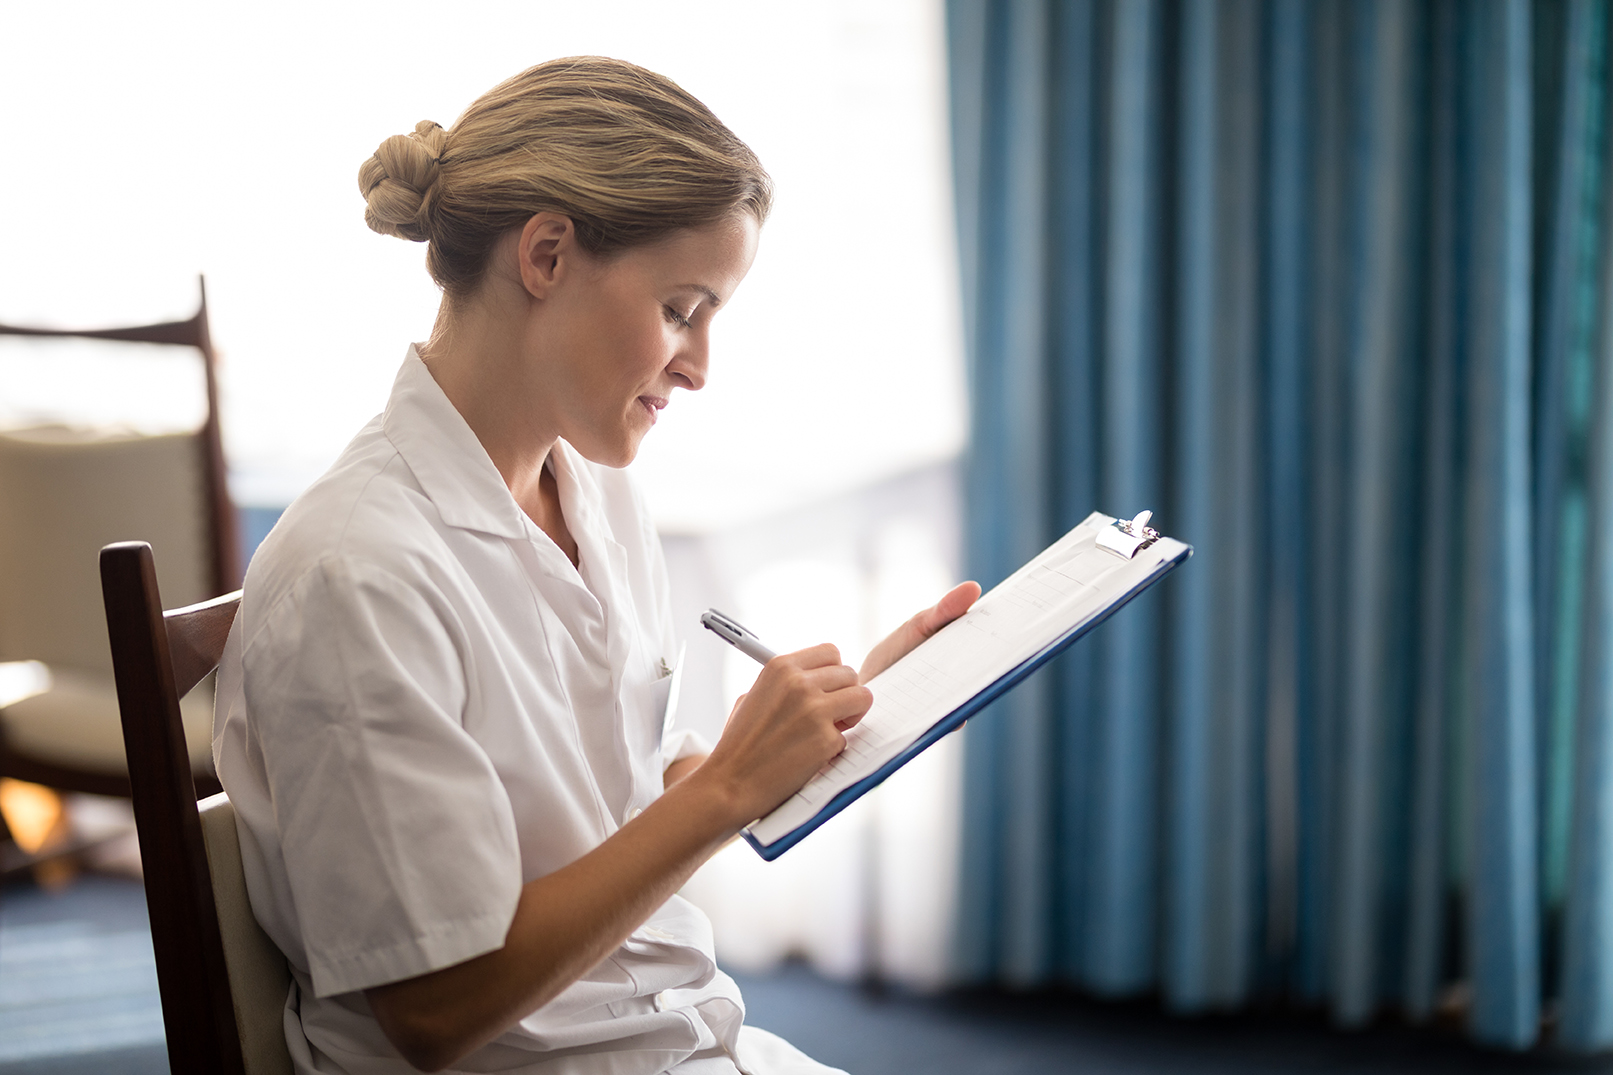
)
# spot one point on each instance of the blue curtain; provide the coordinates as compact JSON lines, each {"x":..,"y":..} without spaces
{"x":1324,"y":284}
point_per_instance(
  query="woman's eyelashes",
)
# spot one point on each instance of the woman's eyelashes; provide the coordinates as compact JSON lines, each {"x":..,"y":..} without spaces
{"x":681,"y":320}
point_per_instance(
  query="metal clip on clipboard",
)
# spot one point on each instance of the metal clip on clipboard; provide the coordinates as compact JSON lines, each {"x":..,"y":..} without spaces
{"x":1126,"y":539}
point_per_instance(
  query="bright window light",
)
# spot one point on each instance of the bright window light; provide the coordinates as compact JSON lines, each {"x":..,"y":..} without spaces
{"x":154,"y":141}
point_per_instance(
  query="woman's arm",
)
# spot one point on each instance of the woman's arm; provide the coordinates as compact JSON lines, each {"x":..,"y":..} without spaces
{"x":681,"y":768}
{"x":784,"y":730}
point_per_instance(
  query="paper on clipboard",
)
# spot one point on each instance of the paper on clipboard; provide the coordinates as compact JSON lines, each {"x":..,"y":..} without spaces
{"x":1013,"y":629}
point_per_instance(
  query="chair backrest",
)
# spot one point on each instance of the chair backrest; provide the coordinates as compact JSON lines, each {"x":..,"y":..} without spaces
{"x":67,"y":492}
{"x":198,"y":909}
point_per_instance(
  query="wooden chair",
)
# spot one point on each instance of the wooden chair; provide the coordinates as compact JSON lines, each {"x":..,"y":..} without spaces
{"x":66,"y":492}
{"x":223,"y":982}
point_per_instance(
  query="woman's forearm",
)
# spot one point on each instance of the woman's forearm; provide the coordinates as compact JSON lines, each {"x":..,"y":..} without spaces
{"x":564,"y":925}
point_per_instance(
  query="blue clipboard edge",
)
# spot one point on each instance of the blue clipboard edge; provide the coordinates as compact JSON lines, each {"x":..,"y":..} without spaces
{"x":955,"y":719}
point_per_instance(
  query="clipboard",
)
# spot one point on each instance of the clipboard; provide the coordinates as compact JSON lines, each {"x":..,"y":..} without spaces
{"x":1099,"y":565}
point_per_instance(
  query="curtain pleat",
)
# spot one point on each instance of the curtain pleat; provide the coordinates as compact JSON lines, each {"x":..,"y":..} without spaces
{"x":1373,"y":713}
{"x":1284,"y":293}
{"x":1588,"y":913}
{"x":1430,"y":878}
{"x":1189,"y":793}
{"x":1324,"y":284}
{"x":1503,"y":936}
{"x":1584,"y":674}
{"x":1124,"y":751}
{"x":1074,"y":171}
{"x":1015,"y":836}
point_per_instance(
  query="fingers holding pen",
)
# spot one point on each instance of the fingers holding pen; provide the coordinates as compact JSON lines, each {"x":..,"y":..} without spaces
{"x":814,"y":682}
{"x":810,"y":681}
{"x":791,"y":723}
{"x":824,"y":655}
{"x":788,"y":726}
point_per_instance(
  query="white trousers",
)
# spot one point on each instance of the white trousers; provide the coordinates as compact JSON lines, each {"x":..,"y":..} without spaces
{"x":760,"y":1053}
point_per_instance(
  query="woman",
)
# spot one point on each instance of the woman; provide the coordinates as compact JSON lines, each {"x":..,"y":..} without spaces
{"x":437,"y":715}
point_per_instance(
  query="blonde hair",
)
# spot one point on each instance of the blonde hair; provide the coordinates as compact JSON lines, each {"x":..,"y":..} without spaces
{"x":625,"y":153}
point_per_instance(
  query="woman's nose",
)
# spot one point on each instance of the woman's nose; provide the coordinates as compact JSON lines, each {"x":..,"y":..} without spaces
{"x":689,"y":364}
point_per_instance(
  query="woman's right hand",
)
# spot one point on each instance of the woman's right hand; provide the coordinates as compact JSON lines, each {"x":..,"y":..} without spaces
{"x":786,"y":728}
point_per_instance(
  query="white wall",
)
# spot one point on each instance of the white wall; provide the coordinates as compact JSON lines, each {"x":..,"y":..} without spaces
{"x":148,"y":142}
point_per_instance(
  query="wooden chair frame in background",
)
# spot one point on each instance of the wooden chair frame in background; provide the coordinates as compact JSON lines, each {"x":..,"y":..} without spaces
{"x":226,"y":567}
{"x":225,"y":570}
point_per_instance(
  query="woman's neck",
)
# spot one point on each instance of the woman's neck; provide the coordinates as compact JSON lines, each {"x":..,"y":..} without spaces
{"x":480,"y":358}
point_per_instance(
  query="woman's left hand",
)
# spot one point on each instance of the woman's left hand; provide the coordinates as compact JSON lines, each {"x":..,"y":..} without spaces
{"x":902,"y":640}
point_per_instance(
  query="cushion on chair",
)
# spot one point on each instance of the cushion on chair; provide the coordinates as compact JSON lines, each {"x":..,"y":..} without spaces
{"x":75,"y":723}
{"x":68,"y":491}
{"x":259,"y":978}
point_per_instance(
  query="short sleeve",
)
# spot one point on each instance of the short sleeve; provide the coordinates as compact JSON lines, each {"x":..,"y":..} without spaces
{"x":398,"y":838}
{"x":683,"y":743}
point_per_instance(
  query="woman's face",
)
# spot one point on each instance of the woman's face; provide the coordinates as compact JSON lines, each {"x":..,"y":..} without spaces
{"x":624,"y":331}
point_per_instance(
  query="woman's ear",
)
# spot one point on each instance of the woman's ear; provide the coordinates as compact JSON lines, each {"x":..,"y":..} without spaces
{"x":544,"y":252}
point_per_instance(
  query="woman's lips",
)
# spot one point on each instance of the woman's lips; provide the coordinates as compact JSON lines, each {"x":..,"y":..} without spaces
{"x":653,"y":405}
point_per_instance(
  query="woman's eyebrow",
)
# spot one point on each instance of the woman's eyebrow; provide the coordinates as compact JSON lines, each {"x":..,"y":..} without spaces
{"x":711,"y":296}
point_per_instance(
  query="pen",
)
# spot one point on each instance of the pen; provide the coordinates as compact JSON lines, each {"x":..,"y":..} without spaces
{"x":732,"y":633}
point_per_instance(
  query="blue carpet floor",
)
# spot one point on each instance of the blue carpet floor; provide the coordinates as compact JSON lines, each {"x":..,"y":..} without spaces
{"x":993,"y":1033}
{"x":78,"y":995}
{"x":78,"y":988}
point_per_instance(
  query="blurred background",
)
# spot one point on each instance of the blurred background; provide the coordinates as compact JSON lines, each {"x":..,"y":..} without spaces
{"x":1324,"y":284}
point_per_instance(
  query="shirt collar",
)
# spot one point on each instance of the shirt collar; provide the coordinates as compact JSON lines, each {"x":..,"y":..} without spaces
{"x":448,"y":461}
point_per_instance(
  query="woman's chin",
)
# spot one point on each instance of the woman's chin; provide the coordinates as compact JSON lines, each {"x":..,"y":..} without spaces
{"x":615,"y":454}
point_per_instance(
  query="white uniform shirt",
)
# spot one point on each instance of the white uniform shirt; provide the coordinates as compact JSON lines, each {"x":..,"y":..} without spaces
{"x":422,"y":706}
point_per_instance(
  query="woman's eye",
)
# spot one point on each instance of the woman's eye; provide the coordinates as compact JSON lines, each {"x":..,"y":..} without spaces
{"x":675,"y":317}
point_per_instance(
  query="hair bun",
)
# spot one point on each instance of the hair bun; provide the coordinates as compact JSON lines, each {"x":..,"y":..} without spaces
{"x":399,"y":182}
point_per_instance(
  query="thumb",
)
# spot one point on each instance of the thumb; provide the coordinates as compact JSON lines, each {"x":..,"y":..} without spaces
{"x":956,"y":602}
